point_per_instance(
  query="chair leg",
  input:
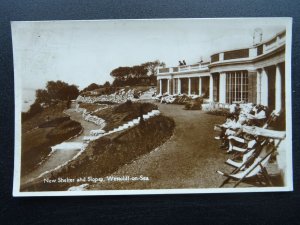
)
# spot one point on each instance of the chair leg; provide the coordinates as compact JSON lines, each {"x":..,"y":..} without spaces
{"x":239,"y":181}
{"x":266,"y":176}
{"x":236,"y":170}
{"x":225,"y":182}
{"x":259,"y":180}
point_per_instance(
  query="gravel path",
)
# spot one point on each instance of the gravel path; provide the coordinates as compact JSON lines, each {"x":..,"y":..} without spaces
{"x":188,"y":160}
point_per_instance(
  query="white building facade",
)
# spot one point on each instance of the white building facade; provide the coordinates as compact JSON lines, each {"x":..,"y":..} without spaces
{"x":255,"y":74}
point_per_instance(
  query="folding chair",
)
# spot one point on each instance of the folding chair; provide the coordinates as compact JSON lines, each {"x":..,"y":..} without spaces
{"x":258,"y":166}
{"x":255,"y":164}
{"x":242,"y":149}
{"x":246,"y":153}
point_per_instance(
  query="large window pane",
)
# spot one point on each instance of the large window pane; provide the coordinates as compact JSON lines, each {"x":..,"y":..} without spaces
{"x":236,"y":86}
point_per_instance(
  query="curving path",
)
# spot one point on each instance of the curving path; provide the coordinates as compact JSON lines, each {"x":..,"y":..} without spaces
{"x":188,"y":160}
{"x":59,"y":157}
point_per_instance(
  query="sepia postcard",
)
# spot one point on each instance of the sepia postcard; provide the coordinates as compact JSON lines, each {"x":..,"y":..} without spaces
{"x":153,"y":106}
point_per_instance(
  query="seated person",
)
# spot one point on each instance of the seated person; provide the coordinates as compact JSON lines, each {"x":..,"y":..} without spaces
{"x":234,"y":109}
{"x":234,"y":130}
{"x":259,"y":117}
{"x":228,"y":123}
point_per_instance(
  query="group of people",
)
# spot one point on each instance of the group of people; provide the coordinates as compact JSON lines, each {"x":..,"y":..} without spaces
{"x":239,"y":115}
{"x":183,"y":63}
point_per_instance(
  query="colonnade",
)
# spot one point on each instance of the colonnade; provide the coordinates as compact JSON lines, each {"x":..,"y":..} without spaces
{"x":174,"y":86}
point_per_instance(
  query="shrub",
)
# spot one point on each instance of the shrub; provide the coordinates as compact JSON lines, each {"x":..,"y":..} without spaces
{"x":194,"y":104}
{"x":65,"y":130}
{"x":35,"y":108}
{"x":219,"y":112}
{"x":54,"y":122}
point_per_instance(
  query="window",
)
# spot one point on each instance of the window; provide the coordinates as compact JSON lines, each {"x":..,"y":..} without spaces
{"x":236,"y":86}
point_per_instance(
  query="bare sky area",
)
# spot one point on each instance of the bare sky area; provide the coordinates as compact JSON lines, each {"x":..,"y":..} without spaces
{"x":85,"y":52}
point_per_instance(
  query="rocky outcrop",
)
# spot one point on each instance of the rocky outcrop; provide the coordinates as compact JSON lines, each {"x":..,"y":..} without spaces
{"x":118,"y":97}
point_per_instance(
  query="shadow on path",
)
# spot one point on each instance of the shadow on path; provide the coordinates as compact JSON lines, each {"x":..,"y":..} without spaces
{"x":188,"y":160}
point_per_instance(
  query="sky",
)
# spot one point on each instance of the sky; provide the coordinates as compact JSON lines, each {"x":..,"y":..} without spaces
{"x":85,"y":52}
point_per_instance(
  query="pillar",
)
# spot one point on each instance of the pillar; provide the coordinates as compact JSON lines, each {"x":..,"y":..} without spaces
{"x":211,"y":88}
{"x":264,"y":87}
{"x":160,"y":87}
{"x":200,"y":86}
{"x":174,"y":86}
{"x":179,"y":86}
{"x":278,"y":89}
{"x":168,"y":86}
{"x":189,"y":91}
{"x":258,"y":87}
{"x":252,"y":86}
{"x":222,"y":88}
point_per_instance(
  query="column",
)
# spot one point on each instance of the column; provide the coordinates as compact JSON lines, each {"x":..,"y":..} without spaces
{"x":168,"y":86}
{"x":174,"y":86}
{"x":278,"y":89}
{"x":179,"y":86}
{"x":160,"y":87}
{"x":211,"y":88}
{"x":252,"y":86}
{"x":200,"y":86}
{"x":264,"y":87}
{"x":222,"y":88}
{"x":258,"y":87}
{"x":189,"y":91}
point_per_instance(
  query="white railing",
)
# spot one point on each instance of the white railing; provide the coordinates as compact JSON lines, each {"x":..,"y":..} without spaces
{"x":185,"y":68}
{"x":268,"y":46}
{"x":279,"y":41}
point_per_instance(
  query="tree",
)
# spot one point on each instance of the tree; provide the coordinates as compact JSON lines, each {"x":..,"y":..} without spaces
{"x":91,"y":87}
{"x":152,"y":67}
{"x":42,"y":96}
{"x":138,"y":71}
{"x":131,"y":75}
{"x":35,"y":108}
{"x":70,"y":92}
{"x":106,"y":84}
{"x":121,"y":73}
{"x":61,"y":90}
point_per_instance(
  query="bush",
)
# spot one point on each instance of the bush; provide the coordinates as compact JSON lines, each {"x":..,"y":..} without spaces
{"x":54,"y":122}
{"x":219,"y":112}
{"x":194,"y":104}
{"x":35,"y":108}
{"x":65,"y":130}
{"x":131,"y":107}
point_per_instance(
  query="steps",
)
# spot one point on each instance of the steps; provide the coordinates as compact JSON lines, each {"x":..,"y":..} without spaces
{"x":95,"y":134}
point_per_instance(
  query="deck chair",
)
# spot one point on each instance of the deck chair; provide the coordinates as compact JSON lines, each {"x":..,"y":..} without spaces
{"x":258,"y":166}
{"x":255,"y":164}
{"x":273,"y":116}
{"x":239,"y":139}
{"x":246,"y":154}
